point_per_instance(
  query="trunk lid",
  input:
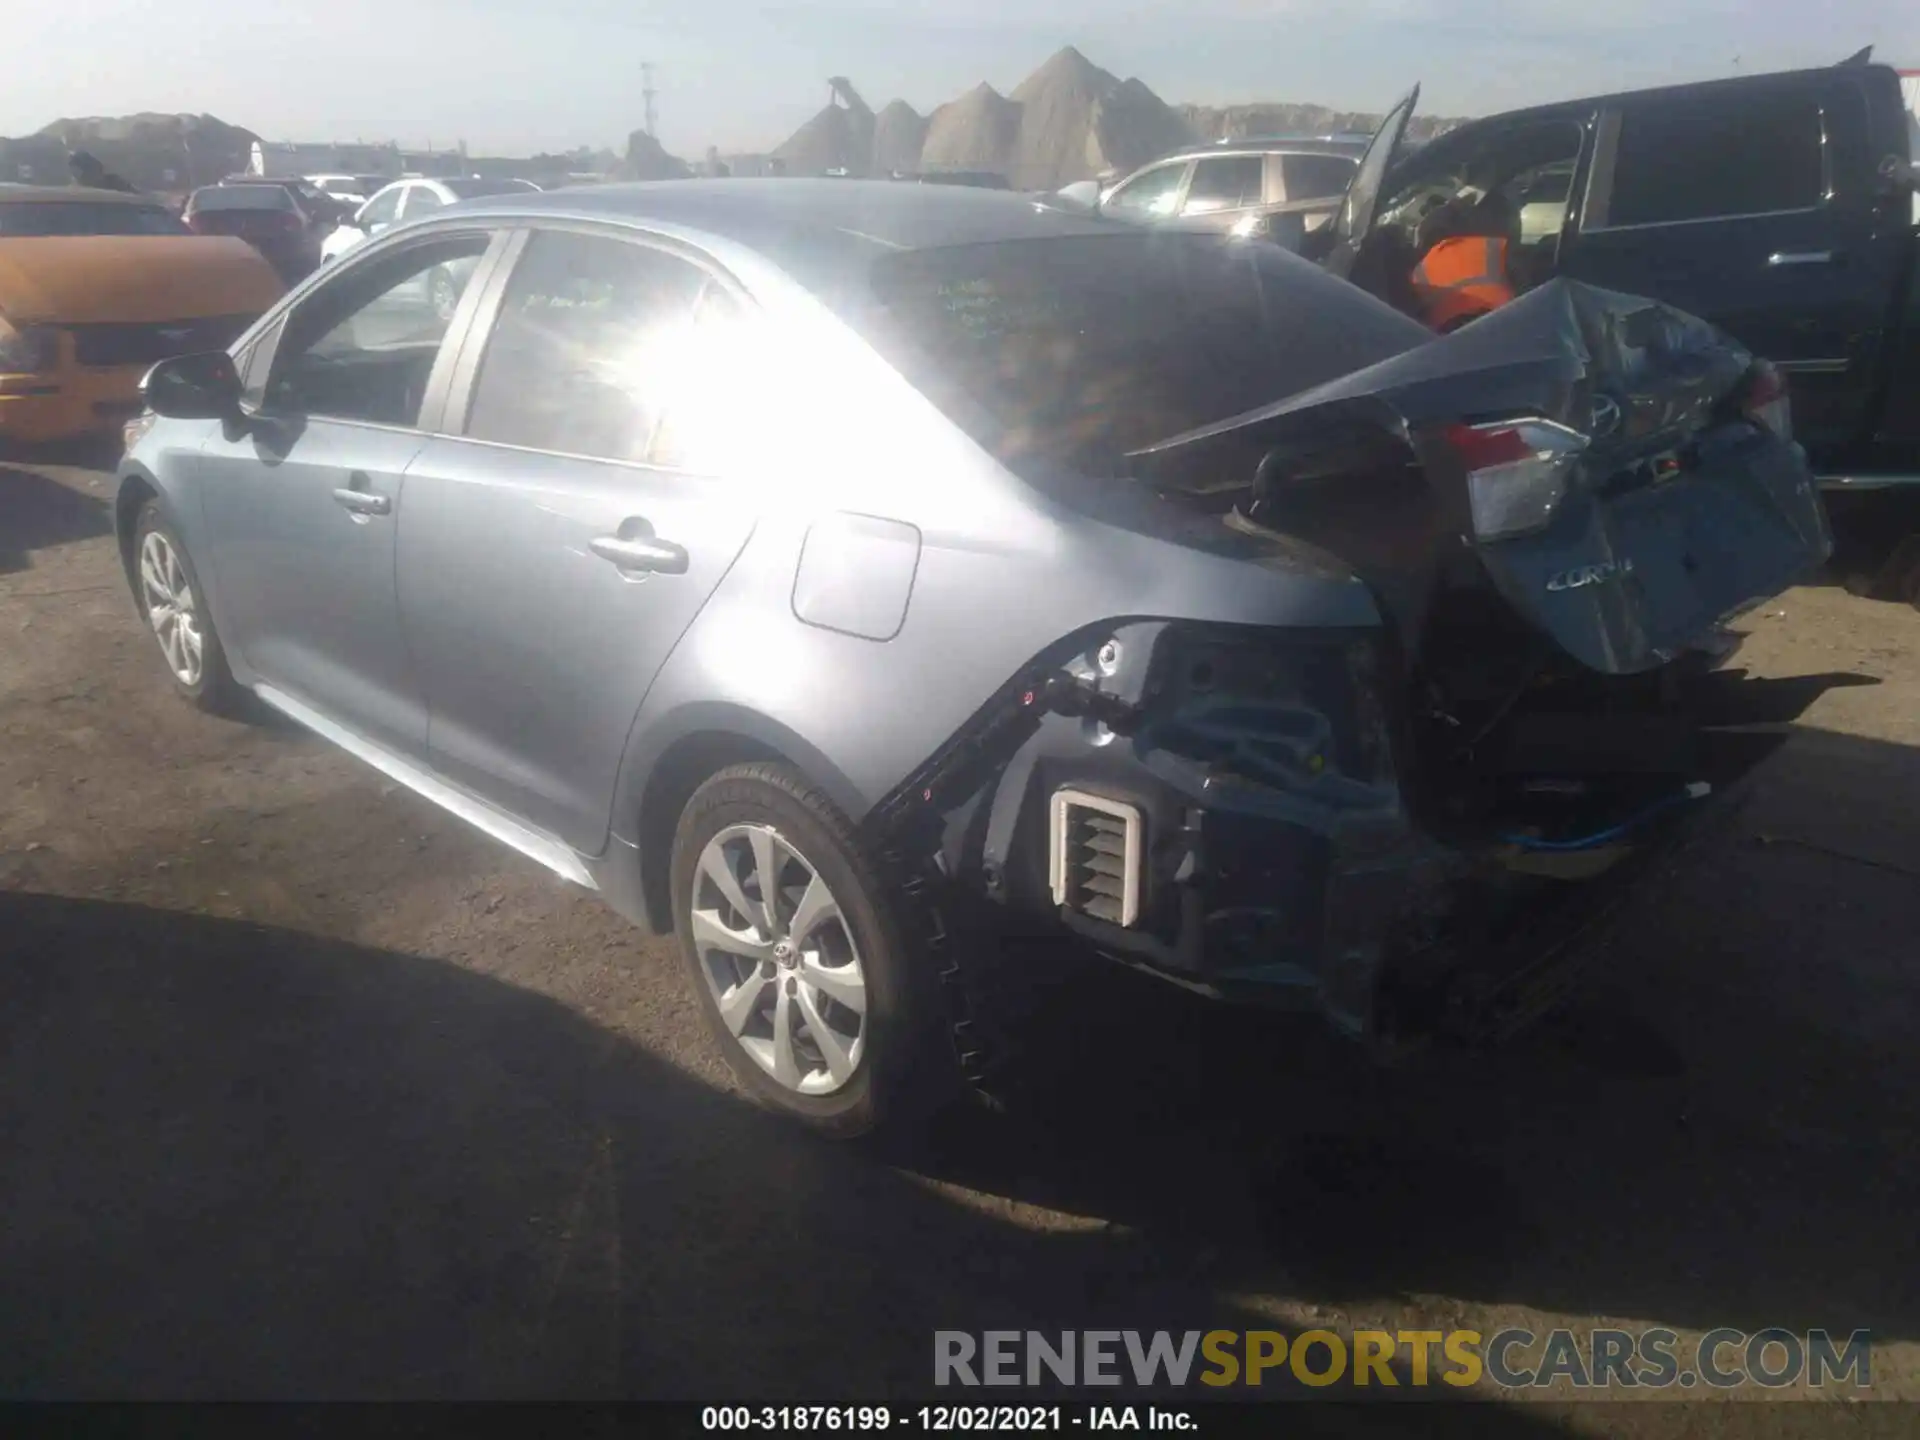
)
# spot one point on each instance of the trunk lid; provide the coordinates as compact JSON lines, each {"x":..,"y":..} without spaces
{"x":1675,"y":514}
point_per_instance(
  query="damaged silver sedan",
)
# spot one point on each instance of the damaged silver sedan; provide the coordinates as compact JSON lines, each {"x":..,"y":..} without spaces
{"x":821,"y":570}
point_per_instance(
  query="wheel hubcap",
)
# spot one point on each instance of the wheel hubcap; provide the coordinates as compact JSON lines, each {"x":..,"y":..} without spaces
{"x":171,"y":608}
{"x":779,"y":959}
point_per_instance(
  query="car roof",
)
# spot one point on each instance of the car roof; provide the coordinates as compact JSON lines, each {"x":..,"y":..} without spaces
{"x":11,"y":194}
{"x":1277,"y":145}
{"x":780,"y":217}
{"x":1684,"y":90}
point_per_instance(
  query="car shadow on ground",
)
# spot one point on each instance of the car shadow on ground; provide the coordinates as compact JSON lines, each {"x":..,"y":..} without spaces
{"x":1718,"y":1130}
{"x":246,"y":1162}
{"x":37,"y":512}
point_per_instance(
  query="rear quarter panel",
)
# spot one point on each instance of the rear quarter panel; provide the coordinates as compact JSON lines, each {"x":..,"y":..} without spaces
{"x":1002,"y":574}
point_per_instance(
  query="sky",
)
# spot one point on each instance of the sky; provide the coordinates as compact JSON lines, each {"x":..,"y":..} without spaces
{"x":519,"y":76}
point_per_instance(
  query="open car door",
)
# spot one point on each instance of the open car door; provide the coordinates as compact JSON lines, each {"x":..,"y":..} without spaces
{"x":1355,"y":220}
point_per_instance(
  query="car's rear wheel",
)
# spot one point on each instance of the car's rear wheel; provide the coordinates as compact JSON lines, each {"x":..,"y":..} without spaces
{"x":800,"y":957}
{"x":175,"y":608}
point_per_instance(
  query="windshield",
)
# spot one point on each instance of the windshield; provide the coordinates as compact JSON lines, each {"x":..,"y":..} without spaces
{"x":1078,"y":350}
{"x":474,"y":189}
{"x":243,"y":197}
{"x":86,"y":217}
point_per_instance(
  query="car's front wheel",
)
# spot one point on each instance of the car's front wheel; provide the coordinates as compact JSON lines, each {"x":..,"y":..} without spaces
{"x":175,"y":607}
{"x":800,"y":957}
{"x":443,"y":292}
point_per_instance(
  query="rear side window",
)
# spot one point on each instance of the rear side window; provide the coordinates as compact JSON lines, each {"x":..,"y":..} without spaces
{"x":1316,"y":177}
{"x":1717,"y":156}
{"x":583,"y":356}
{"x":1154,"y":193}
{"x":1075,"y":350}
{"x":382,"y":209}
{"x":1229,"y":182}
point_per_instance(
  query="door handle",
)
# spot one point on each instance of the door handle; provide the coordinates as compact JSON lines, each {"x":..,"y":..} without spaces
{"x":661,"y":557}
{"x":1800,"y":257}
{"x":358,"y":497}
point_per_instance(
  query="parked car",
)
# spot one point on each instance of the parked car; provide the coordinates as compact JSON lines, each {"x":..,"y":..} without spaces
{"x":351,"y":190}
{"x":323,"y":208}
{"x":1165,"y":591}
{"x":1278,"y":189}
{"x":1780,"y":207}
{"x":409,"y":200}
{"x":95,"y":286}
{"x":268,"y":216}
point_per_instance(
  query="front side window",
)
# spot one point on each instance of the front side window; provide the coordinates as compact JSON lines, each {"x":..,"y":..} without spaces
{"x":1228,"y":182}
{"x":422,"y":200}
{"x":1717,"y":155}
{"x":1152,"y":194}
{"x":1316,"y":177}
{"x":364,"y":344}
{"x":590,"y":347}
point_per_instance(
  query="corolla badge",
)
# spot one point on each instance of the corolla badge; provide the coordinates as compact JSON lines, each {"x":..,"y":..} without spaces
{"x":1582,"y":576}
{"x":1606,"y":415}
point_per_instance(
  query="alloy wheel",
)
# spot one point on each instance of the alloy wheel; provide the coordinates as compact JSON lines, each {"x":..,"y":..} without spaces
{"x":443,"y":294}
{"x":779,"y":959}
{"x":172,"y":608}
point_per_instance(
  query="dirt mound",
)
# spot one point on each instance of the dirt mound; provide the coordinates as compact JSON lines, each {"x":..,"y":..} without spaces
{"x":979,"y":131}
{"x":1236,"y":122}
{"x":1131,"y":126}
{"x":1078,"y":121}
{"x":154,"y":151}
{"x":899,"y":135}
{"x":838,"y":138}
{"x":647,"y":159}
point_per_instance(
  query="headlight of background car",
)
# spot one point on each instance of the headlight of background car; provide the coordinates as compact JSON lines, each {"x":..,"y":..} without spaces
{"x":26,"y":349}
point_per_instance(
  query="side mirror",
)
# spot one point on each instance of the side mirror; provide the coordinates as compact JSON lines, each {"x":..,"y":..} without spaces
{"x":358,"y":220}
{"x":194,"y":387}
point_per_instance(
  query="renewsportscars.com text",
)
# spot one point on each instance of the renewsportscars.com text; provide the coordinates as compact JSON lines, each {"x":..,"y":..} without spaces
{"x":1597,"y":1359}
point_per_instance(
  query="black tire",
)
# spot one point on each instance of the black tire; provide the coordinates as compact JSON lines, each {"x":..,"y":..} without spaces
{"x":215,"y":690}
{"x":1900,"y":578}
{"x":907,"y":1069}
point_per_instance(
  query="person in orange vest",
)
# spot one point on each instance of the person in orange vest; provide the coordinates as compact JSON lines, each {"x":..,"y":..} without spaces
{"x":1463,"y":272}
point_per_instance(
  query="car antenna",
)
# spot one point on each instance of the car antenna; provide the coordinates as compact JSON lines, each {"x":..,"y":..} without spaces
{"x":1863,"y":56}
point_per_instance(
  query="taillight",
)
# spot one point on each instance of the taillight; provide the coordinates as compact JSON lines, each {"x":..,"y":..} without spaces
{"x":1766,"y":403}
{"x":1516,"y":472}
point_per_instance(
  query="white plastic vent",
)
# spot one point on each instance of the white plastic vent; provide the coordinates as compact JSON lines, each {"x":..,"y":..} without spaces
{"x":1094,"y":854}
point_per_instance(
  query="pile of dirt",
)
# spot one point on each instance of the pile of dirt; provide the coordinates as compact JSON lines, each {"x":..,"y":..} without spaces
{"x":838,"y":138}
{"x":1078,"y":121}
{"x":1131,"y":126}
{"x":1235,"y":122}
{"x":899,"y":135}
{"x":154,"y":151}
{"x":979,"y":131}
{"x":647,"y":159}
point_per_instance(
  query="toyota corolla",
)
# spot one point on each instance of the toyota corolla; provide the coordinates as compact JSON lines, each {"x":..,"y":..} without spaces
{"x":821,"y":570}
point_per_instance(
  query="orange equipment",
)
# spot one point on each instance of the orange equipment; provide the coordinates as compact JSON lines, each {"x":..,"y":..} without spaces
{"x":1461,"y":279}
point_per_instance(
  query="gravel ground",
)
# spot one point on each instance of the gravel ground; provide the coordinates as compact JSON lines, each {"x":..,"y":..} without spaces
{"x":308,"y":1091}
